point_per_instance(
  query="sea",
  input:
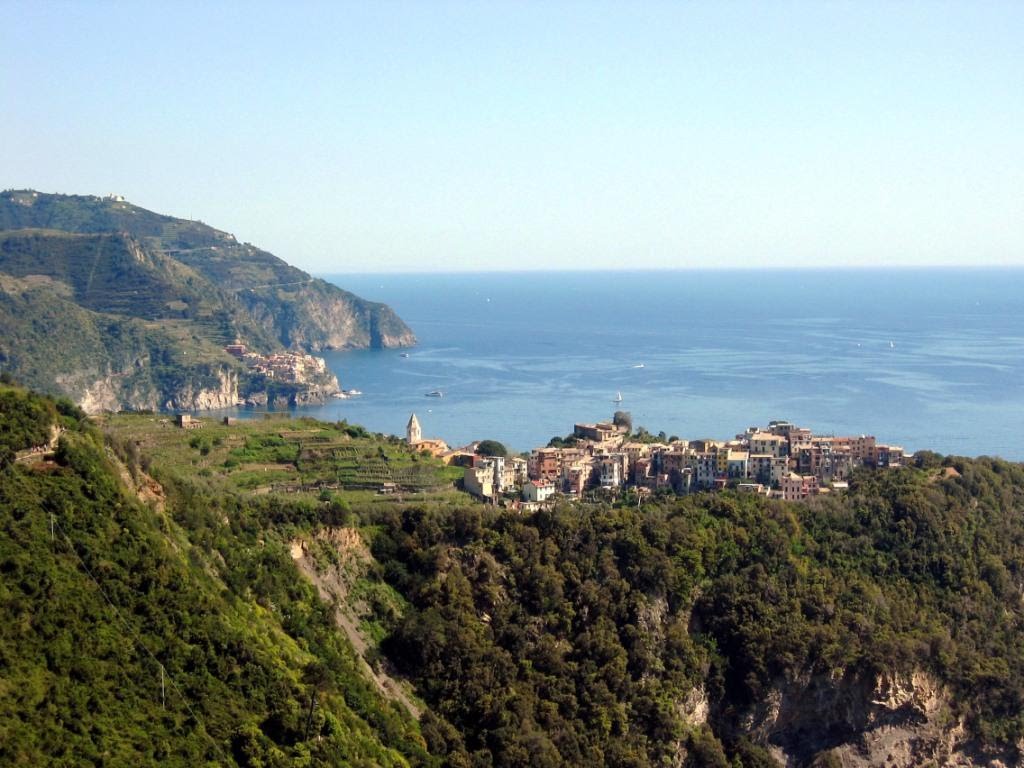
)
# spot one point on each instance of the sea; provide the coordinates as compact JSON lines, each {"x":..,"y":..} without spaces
{"x":926,"y":359}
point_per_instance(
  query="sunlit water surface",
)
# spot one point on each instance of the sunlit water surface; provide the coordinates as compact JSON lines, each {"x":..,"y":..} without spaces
{"x":922,"y":358}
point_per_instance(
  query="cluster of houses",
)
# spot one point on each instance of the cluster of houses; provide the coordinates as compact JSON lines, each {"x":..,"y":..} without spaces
{"x":283,"y":366}
{"x":781,"y":460}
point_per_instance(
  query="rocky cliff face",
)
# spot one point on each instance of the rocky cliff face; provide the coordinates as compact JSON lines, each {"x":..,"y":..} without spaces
{"x":224,"y":388}
{"x":319,"y":316}
{"x":893,"y":719}
{"x":222,"y":394}
{"x":113,"y":392}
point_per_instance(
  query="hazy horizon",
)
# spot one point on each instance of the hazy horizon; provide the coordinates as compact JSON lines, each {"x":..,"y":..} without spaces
{"x":457,"y":137}
{"x":737,"y":268}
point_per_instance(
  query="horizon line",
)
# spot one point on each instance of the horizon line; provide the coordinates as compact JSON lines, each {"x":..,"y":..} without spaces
{"x":614,"y":270}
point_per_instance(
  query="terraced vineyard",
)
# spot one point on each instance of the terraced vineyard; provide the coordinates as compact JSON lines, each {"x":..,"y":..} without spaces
{"x":278,"y":455}
{"x":371,"y":466}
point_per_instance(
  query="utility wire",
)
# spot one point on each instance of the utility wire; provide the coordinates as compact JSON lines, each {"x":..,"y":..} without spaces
{"x":135,"y":636}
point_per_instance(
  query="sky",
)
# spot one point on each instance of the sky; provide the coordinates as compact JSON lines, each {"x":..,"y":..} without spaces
{"x":385,"y":136}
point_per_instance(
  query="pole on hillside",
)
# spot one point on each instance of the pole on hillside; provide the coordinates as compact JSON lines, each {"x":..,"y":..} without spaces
{"x":163,"y":692}
{"x":309,"y":722}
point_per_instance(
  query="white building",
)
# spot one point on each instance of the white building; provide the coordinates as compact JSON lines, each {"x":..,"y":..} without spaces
{"x":538,"y":490}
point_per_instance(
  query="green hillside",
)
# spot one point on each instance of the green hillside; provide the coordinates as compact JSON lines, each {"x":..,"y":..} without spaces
{"x":581,"y":635}
{"x":258,"y":564}
{"x":254,"y":673}
{"x":185,"y":287}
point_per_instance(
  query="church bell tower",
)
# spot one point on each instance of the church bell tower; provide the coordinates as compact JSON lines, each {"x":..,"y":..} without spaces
{"x":413,"y":434}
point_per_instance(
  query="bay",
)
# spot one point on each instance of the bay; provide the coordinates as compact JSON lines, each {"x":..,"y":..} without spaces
{"x":921,"y":358}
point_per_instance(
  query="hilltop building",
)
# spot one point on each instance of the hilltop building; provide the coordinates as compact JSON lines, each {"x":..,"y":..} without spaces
{"x":414,"y":437}
{"x":413,"y":433}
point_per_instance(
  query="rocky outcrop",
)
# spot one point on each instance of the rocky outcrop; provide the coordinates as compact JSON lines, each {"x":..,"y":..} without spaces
{"x":101,"y":396}
{"x":223,"y":388}
{"x":694,"y":709}
{"x":898,"y":719}
{"x":321,"y":316}
{"x":120,"y":391}
{"x":193,"y":397}
{"x":352,"y":560}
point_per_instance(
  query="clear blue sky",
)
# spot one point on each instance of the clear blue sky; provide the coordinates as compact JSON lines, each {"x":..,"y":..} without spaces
{"x":533,"y":135}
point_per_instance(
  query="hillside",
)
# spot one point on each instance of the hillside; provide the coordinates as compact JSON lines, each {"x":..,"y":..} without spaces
{"x":123,"y":642}
{"x":262,"y":568}
{"x":157,"y":299}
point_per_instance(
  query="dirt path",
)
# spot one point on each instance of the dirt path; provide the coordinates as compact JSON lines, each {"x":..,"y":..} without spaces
{"x":39,"y":453}
{"x":332,"y":587}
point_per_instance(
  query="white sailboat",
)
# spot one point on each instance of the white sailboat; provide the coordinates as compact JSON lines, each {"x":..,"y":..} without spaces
{"x":618,"y":397}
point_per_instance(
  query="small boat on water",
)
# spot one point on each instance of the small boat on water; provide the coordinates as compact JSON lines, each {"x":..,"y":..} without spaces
{"x":404,"y":354}
{"x":639,"y":365}
{"x":351,"y":392}
{"x":618,"y":397}
{"x":435,"y":393}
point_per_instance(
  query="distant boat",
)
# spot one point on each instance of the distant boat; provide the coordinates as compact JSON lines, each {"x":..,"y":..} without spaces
{"x":435,"y":393}
{"x":340,"y":395}
{"x":404,"y":354}
{"x":351,"y":392}
{"x":639,"y":365}
{"x":618,"y":397}
{"x":892,"y":345}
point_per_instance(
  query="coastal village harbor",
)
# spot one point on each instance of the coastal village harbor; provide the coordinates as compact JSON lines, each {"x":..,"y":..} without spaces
{"x":781,"y":460}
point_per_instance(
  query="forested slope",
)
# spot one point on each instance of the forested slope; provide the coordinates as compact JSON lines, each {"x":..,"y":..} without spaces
{"x":253,"y":671}
{"x":878,"y":627}
{"x":887,"y":620}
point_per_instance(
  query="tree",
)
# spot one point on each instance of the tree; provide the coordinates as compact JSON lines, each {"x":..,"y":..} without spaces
{"x":562,"y":442}
{"x":623,"y":419}
{"x":491,"y":448}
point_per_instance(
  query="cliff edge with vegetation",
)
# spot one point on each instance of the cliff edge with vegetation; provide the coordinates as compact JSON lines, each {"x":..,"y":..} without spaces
{"x":118,"y":307}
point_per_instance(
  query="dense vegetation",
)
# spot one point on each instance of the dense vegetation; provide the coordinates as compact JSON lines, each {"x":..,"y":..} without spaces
{"x":491,"y":448}
{"x":576,"y":636}
{"x":254,"y":672}
{"x":617,"y":635}
{"x":25,"y":420}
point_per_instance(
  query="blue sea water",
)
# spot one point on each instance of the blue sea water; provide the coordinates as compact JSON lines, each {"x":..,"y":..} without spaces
{"x":921,"y":358}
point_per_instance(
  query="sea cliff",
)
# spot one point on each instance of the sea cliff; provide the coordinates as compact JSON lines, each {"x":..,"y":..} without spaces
{"x":117,"y":307}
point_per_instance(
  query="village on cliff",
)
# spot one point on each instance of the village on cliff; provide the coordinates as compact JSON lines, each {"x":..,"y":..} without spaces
{"x":781,"y":461}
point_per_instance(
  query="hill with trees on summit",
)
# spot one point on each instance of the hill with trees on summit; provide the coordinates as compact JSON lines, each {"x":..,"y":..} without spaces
{"x":119,"y":307}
